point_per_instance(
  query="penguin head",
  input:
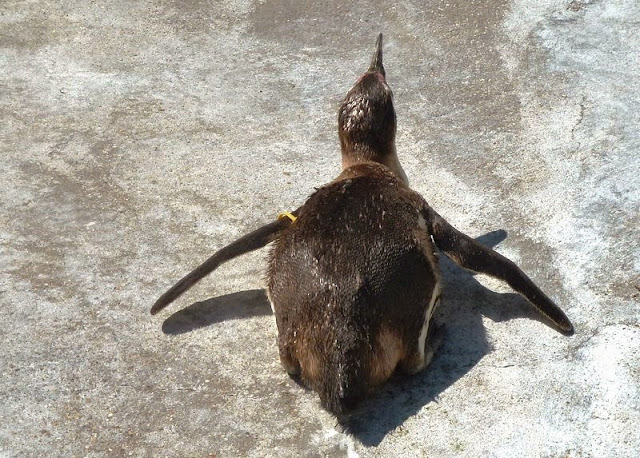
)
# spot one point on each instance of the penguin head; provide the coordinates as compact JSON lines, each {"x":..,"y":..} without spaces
{"x":367,"y":119}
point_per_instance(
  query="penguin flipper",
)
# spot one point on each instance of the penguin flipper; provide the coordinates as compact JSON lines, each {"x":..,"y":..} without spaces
{"x":245,"y":244}
{"x":468,"y":253}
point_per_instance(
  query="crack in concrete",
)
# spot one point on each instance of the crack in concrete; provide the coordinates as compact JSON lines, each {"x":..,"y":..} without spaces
{"x":580,"y":118}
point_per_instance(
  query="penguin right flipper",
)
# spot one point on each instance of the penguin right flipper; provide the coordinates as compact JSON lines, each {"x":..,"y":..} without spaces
{"x":468,"y":253}
{"x":245,"y":244}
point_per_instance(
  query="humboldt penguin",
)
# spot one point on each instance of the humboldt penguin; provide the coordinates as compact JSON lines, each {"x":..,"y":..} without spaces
{"x":353,"y":275}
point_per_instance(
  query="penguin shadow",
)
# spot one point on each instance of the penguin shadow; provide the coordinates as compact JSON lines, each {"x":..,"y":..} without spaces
{"x":243,"y":304}
{"x":463,"y":304}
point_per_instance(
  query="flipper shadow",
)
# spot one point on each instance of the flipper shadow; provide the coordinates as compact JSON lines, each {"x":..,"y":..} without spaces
{"x":464,"y":302}
{"x":243,"y":304}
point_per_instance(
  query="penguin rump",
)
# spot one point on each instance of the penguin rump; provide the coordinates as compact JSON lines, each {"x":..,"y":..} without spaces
{"x":352,"y":275}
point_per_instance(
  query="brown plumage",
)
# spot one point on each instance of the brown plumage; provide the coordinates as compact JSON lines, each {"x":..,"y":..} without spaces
{"x":350,"y":283}
{"x":354,"y":281}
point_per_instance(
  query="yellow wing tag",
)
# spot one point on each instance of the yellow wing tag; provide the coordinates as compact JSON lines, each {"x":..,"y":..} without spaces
{"x":283,"y":215}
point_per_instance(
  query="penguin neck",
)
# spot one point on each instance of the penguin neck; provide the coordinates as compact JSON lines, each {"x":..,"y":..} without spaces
{"x":361,"y":153}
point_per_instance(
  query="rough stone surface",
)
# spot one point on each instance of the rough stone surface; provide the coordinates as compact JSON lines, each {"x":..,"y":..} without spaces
{"x":137,"y":137}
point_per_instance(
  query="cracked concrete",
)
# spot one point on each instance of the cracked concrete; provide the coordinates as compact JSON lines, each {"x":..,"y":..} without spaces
{"x":138,"y":137}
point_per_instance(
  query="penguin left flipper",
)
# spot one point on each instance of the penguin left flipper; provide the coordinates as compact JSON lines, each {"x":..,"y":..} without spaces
{"x":468,"y":253}
{"x":245,"y":244}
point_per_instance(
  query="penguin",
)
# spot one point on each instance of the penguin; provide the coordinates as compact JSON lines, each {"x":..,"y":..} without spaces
{"x":352,"y":274}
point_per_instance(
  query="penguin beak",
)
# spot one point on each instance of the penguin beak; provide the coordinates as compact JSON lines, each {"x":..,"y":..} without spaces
{"x":376,"y":61}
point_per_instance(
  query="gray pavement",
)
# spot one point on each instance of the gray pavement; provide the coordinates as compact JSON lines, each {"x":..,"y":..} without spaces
{"x":137,"y":137}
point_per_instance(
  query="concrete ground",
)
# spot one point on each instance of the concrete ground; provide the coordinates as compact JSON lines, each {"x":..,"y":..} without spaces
{"x":137,"y":137}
